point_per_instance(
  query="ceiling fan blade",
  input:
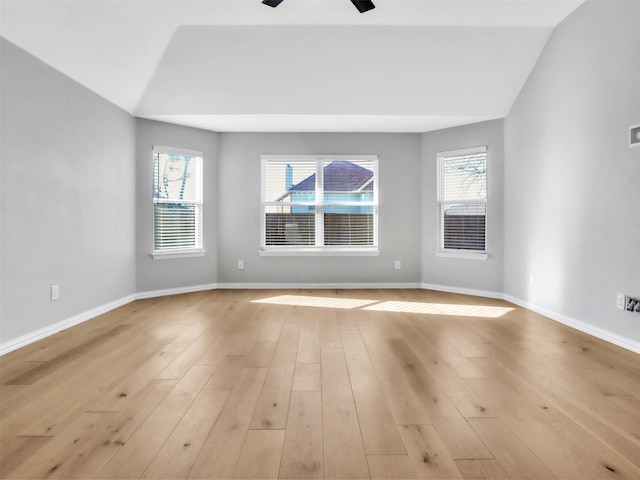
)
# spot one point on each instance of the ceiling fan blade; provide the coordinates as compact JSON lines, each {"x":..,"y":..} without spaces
{"x":272,"y":3}
{"x":363,"y":5}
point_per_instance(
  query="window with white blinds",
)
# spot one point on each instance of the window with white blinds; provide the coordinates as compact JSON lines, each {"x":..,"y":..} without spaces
{"x":177,"y":201}
{"x":462,"y":201}
{"x":319,"y":204}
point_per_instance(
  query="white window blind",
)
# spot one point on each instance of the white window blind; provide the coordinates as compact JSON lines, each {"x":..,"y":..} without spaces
{"x":319,"y":203}
{"x":177,"y":200}
{"x":462,"y":200}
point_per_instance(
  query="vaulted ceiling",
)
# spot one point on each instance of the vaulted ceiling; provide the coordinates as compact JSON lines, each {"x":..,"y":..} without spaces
{"x":308,"y":65}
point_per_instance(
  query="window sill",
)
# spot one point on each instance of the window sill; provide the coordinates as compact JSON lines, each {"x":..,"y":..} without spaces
{"x":463,"y":254}
{"x":167,"y":255}
{"x":320,"y":252}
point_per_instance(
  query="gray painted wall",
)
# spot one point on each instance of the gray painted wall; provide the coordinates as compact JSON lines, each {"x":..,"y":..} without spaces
{"x":67,"y":195}
{"x":572,"y":205}
{"x":172,"y":273}
{"x":563,"y":192}
{"x":239,"y":213}
{"x":464,"y":273}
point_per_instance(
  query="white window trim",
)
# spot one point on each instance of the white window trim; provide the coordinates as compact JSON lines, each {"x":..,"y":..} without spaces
{"x":462,"y":151}
{"x":169,"y":254}
{"x":318,"y":250}
{"x":459,"y":253}
{"x":182,"y":253}
{"x":462,"y":254}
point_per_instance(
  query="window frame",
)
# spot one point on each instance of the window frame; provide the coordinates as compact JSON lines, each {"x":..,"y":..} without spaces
{"x":197,"y":250}
{"x":441,"y":251}
{"x":319,"y":204}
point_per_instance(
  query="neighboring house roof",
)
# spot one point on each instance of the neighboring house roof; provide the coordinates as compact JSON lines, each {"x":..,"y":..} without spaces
{"x":339,"y":176}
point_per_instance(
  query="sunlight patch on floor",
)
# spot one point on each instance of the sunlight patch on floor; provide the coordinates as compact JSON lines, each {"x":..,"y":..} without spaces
{"x":486,"y":311}
{"x":323,"y":302}
{"x":440,"y":309}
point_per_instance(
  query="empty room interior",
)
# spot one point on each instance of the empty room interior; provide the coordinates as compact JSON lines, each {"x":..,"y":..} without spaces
{"x":320,"y":239}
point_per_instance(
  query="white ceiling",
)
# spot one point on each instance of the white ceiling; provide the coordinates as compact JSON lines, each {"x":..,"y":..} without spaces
{"x":308,"y":65}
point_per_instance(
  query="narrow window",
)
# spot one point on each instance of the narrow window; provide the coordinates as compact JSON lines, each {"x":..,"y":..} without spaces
{"x":462,"y":201}
{"x":177,"y":202}
{"x":319,"y":204}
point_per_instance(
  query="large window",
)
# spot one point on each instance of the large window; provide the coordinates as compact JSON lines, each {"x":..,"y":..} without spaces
{"x":462,"y":202}
{"x":177,"y":202}
{"x":319,"y":204}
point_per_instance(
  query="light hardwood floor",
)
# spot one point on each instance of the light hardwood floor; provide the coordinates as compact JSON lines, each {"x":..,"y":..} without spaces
{"x":347,"y":384}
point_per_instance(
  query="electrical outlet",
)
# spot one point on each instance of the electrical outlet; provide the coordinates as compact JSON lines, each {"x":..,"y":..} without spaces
{"x":55,"y":292}
{"x":532,"y":279}
{"x":398,"y":265}
{"x":620,"y":300}
{"x":634,"y":136}
{"x":240,"y":264}
{"x":632,"y":304}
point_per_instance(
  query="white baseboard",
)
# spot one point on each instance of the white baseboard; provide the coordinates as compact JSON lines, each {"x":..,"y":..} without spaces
{"x":24,"y":340}
{"x":601,"y":333}
{"x":175,"y":291}
{"x":317,"y":286}
{"x":463,"y":291}
{"x":14,"y":344}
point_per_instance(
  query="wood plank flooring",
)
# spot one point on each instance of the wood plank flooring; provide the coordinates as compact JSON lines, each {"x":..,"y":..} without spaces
{"x":326,"y":384}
